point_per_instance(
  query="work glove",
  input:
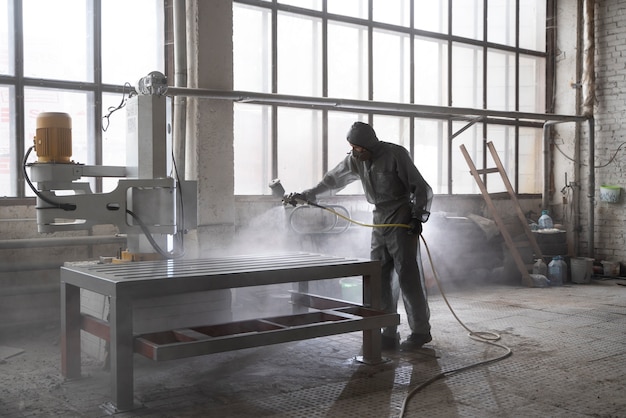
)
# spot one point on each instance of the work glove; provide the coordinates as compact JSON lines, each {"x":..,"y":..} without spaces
{"x":309,"y":196}
{"x":293,"y":199}
{"x":415,"y":227}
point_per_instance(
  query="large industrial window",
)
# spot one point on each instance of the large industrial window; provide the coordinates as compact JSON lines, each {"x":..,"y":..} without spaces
{"x":479,"y":54}
{"x":72,"y":56}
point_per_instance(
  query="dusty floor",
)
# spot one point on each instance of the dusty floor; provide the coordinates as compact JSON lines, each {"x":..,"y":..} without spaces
{"x":569,"y":360}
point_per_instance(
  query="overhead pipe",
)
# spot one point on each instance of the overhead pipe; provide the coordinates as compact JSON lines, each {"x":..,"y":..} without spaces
{"x":327,"y":103}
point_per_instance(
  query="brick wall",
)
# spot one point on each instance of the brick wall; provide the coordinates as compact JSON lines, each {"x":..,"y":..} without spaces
{"x":610,"y":148}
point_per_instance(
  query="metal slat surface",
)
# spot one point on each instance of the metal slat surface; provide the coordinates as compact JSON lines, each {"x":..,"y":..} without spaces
{"x":140,"y":281}
{"x":208,"y":267}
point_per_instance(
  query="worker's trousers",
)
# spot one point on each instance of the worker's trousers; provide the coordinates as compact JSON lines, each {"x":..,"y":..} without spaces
{"x":398,"y":252}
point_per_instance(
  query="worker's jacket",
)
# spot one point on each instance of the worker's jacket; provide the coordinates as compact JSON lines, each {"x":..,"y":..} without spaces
{"x":390,"y":181}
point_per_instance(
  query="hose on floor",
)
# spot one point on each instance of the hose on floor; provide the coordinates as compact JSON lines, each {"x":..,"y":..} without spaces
{"x":486,"y":337}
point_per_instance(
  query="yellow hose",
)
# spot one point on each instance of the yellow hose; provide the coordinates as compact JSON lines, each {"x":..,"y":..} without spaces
{"x":487,"y":337}
{"x":334,"y":212}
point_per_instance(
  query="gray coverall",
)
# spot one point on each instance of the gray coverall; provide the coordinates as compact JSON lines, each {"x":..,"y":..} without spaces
{"x":399,"y":192}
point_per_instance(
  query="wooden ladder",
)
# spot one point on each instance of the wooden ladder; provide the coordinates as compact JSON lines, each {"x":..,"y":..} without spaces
{"x":512,"y":245}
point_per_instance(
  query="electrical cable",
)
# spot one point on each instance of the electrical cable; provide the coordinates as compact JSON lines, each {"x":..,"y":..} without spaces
{"x":596,"y":166}
{"x":150,"y":239}
{"x":486,"y":337}
{"x":113,"y":109}
{"x":55,"y":205}
{"x":180,"y":233}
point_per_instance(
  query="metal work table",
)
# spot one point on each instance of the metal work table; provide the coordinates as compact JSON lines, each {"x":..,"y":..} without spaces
{"x":313,"y":315}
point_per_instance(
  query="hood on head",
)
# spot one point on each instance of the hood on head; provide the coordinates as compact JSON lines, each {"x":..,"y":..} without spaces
{"x":362,"y":135}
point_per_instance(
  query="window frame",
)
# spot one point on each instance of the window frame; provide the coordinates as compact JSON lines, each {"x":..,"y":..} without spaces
{"x":447,"y":145}
{"x":19,"y":83}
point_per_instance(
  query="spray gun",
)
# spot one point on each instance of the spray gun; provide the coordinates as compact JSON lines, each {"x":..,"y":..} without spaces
{"x":292,"y":199}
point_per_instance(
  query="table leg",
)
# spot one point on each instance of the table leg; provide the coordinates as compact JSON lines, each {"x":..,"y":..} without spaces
{"x":121,"y":353}
{"x":372,"y":339}
{"x":70,"y":331}
{"x":302,"y":288}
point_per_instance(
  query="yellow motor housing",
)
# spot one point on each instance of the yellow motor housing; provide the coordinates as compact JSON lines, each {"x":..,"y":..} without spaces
{"x":53,"y":138}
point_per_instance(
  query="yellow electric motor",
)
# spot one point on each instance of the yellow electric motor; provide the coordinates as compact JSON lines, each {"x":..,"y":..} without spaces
{"x":53,"y":138}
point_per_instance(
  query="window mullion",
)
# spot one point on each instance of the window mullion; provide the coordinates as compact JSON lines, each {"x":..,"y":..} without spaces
{"x":19,"y":144}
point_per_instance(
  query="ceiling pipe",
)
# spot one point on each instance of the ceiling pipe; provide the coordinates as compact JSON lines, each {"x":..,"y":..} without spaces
{"x":327,"y":103}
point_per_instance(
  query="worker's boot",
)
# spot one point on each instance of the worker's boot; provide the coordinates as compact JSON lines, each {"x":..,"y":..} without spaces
{"x":415,"y":341}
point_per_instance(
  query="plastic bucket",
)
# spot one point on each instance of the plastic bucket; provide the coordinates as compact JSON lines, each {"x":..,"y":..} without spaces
{"x":610,"y":193}
{"x":611,"y":268}
{"x":582,"y":269}
{"x":352,"y":289}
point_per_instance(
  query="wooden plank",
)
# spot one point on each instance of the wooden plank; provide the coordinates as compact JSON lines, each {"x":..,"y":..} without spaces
{"x":521,"y":266}
{"x":516,"y":205}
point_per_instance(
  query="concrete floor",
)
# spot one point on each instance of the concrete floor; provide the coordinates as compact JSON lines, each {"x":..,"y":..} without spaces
{"x":569,"y":360}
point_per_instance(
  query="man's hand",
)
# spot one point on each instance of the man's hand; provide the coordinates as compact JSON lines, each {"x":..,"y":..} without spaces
{"x":309,"y":196}
{"x":294,"y":199}
{"x":415,"y":227}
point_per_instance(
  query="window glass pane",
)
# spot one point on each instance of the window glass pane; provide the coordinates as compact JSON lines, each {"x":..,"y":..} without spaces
{"x":431,"y":152}
{"x":532,"y":31}
{"x":393,"y":129}
{"x":299,"y":147}
{"x":307,"y":4}
{"x":76,"y":104}
{"x":339,"y":124}
{"x":252,"y":144}
{"x":532,"y":82}
{"x":503,"y":138}
{"x":500,"y":80}
{"x":299,"y":55}
{"x":347,"y":61}
{"x":431,"y":72}
{"x":501,"y":22}
{"x":353,"y":8}
{"x":58,"y":40}
{"x":431,"y":15}
{"x":7,"y":136}
{"x":129,"y":55}
{"x":391,"y":82}
{"x":462,"y":181}
{"x":394,"y":12}
{"x":467,"y":18}
{"x":7,"y":56}
{"x":252,"y":50}
{"x":467,"y":76}
{"x":530,"y":161}
{"x":113,"y":136}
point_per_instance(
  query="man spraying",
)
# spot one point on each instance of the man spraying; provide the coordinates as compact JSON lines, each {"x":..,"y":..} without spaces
{"x":400,"y":195}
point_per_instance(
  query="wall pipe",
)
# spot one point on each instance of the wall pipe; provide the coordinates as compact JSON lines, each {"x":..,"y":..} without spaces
{"x":547,"y":163}
{"x":180,"y":80}
{"x":592,"y":190}
{"x":589,"y":85}
{"x":13,"y":244}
